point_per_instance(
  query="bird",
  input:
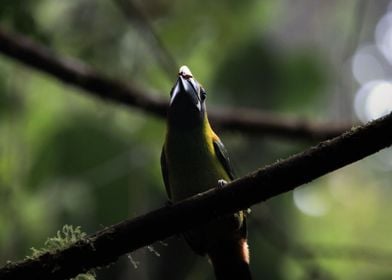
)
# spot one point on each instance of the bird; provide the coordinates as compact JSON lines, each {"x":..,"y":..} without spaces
{"x":193,"y":160}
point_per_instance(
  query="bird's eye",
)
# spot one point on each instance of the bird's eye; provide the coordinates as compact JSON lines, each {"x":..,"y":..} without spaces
{"x":203,"y":94}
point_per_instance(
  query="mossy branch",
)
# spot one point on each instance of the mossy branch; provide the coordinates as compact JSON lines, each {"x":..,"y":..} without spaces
{"x":107,"y":245}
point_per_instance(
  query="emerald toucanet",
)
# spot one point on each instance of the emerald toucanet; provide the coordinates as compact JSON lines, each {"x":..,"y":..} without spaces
{"x":193,"y":160}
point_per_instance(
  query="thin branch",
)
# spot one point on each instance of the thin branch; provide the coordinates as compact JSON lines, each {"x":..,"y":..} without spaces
{"x":78,"y":74}
{"x":266,"y":123}
{"x":308,"y":255}
{"x":369,"y":255}
{"x":283,"y":243}
{"x":135,"y":14}
{"x":357,"y":25}
{"x":107,"y":245}
{"x":74,"y":72}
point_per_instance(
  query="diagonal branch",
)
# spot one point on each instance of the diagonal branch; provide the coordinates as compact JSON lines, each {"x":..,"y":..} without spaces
{"x":107,"y":245}
{"x":135,"y":14}
{"x":78,"y":74}
{"x":283,"y":243}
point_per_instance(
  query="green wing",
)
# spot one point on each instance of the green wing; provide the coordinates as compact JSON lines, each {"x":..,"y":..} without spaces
{"x":223,"y":157}
{"x":165,"y":173}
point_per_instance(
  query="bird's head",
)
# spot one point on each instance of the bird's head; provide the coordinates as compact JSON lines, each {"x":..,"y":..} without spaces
{"x":187,"y":101}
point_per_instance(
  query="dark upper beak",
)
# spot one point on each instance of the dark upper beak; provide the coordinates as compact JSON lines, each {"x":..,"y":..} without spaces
{"x":184,"y":93}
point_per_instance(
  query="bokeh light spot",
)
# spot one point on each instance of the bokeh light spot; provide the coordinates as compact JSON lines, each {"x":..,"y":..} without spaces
{"x":373,"y":100}
{"x":309,"y":201}
{"x":366,"y":65}
{"x":384,"y":36}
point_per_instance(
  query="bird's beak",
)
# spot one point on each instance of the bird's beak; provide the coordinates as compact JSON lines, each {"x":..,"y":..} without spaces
{"x":185,"y":92}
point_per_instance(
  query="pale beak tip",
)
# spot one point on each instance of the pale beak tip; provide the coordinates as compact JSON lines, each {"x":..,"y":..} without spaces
{"x":185,"y":72}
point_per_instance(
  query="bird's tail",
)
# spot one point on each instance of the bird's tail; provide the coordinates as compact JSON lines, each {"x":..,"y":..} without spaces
{"x":230,"y":260}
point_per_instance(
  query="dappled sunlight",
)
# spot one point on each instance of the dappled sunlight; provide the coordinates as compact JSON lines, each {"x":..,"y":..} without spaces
{"x":367,"y":65}
{"x":311,"y":201}
{"x":357,"y":201}
{"x":372,"y":68}
{"x":373,"y":100}
{"x":383,"y":35}
{"x":70,"y":155}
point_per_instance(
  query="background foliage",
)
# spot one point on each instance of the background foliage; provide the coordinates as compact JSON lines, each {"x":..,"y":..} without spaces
{"x":66,"y":158}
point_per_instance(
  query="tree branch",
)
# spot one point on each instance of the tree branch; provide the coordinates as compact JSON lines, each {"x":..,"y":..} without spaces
{"x":283,"y":243}
{"x":135,"y":15}
{"x":355,"y":253}
{"x":78,"y":74}
{"x":105,"y":246}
